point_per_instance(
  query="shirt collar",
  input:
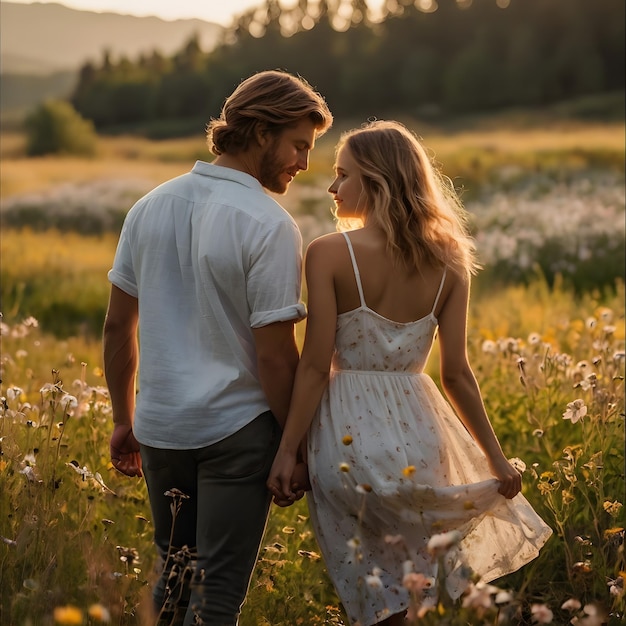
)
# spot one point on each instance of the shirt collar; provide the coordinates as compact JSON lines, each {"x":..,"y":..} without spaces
{"x":218,"y":171}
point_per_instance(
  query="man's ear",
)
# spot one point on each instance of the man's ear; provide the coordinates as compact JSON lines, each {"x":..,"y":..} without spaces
{"x":261,"y":134}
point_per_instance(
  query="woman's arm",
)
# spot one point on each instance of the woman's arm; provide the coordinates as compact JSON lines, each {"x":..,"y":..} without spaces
{"x":313,"y":369}
{"x":462,"y":389}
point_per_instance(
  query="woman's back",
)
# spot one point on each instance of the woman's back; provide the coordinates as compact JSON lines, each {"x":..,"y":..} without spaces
{"x":391,"y":291}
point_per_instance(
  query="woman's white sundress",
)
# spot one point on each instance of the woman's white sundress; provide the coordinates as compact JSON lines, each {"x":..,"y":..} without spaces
{"x":391,"y":465}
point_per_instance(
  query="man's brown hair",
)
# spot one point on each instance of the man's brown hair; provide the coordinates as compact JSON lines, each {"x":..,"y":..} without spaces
{"x":273,"y":99}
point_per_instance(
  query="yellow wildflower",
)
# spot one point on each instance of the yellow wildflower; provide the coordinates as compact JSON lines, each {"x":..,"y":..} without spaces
{"x":99,"y":613}
{"x":68,"y":615}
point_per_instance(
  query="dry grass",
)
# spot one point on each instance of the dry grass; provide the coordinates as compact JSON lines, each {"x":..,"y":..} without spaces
{"x":156,"y":161}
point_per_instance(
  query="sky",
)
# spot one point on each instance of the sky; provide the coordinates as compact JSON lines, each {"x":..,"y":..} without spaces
{"x":219,"y":11}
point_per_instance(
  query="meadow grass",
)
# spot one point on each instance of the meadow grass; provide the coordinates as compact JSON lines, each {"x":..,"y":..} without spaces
{"x":76,"y":536}
{"x":470,"y":156}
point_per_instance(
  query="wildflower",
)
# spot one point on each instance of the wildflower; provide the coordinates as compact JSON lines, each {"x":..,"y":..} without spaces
{"x":30,"y":459}
{"x":69,"y":402}
{"x":29,"y":472}
{"x":128,"y":555}
{"x":541,"y":614}
{"x":503,"y":597}
{"x":47,"y":389}
{"x":509,"y":344}
{"x":612,"y":508}
{"x":616,"y":586}
{"x":347,"y":440}
{"x":582,"y":567}
{"x":30,"y":322}
{"x":275,"y":548}
{"x":518,"y":464}
{"x":416,"y":582}
{"x":478,"y":596}
{"x":534,"y":339}
{"x":14,"y":393}
{"x":428,"y":604}
{"x":83,"y":471}
{"x":575,"y":410}
{"x":587,"y":382}
{"x":443,"y":541}
{"x":99,"y":613}
{"x":591,"y":322}
{"x":606,"y":315}
{"x":489,"y":347}
{"x":409,"y":470}
{"x":571,"y":605}
{"x":313,"y":556}
{"x":68,"y":615}
{"x":614,"y":535}
{"x":344,"y":467}
{"x":176,"y":494}
{"x":592,"y":616}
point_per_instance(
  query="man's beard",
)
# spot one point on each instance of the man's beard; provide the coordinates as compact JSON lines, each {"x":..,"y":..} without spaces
{"x":271,"y":169}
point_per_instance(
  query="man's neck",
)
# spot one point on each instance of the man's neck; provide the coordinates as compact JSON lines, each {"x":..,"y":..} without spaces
{"x":241,"y":162}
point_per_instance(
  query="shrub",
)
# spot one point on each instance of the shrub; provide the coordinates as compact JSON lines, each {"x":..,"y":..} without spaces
{"x":55,"y":127}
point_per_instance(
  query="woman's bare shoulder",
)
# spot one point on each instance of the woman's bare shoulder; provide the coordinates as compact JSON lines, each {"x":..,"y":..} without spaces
{"x":327,"y":244}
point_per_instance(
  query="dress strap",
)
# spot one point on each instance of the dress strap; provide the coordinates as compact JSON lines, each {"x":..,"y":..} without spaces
{"x":355,"y":267}
{"x":443,"y":278}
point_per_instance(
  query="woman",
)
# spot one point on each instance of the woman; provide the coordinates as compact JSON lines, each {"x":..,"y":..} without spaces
{"x":391,"y":464}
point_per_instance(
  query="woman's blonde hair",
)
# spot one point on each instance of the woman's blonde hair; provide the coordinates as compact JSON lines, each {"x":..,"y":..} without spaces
{"x":272,"y":98}
{"x":405,"y":195}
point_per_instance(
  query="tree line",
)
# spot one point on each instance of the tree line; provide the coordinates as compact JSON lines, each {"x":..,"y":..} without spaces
{"x":424,"y":57}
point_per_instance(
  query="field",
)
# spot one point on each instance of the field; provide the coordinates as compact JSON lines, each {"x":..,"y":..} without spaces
{"x":546,"y":339}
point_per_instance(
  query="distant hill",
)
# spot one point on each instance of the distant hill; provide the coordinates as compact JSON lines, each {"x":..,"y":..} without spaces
{"x":47,"y":38}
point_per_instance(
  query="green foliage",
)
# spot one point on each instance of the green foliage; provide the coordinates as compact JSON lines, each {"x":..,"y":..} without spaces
{"x":55,"y":127}
{"x":59,"y":279}
{"x":463,"y":56}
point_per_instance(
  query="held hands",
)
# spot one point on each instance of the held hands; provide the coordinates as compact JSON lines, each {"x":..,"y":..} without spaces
{"x":510,"y":479}
{"x":124,"y":448}
{"x":287,"y":480}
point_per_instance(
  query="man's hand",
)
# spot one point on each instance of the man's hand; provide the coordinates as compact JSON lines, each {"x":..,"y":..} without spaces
{"x":298,"y":484}
{"x":124,"y":449}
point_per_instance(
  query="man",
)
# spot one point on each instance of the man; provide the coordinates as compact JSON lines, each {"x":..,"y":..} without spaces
{"x":204,"y":299}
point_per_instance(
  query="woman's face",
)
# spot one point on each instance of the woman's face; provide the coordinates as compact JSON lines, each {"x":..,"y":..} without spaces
{"x":347,"y":188}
